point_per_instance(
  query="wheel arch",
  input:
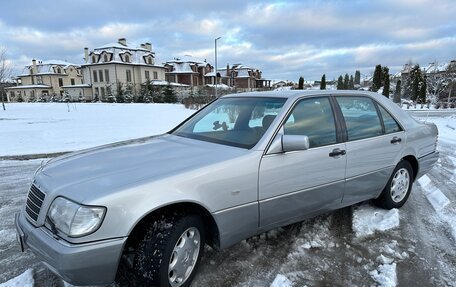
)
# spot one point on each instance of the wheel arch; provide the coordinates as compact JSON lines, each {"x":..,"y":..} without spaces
{"x":414,"y":163}
{"x":188,"y":208}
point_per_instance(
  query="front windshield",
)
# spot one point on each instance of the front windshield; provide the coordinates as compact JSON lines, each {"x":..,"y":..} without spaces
{"x":239,"y":121}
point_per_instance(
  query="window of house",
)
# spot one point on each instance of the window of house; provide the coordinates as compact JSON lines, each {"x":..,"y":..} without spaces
{"x":391,"y":126}
{"x":361,"y":117}
{"x":94,"y":59}
{"x":95,"y":76}
{"x":100,"y":75}
{"x":102,"y":90}
{"x":128,"y":75}
{"x":106,"y":58}
{"x":127,"y":58}
{"x":59,"y":71}
{"x":147,"y":75}
{"x":60,"y":82}
{"x":97,"y":92}
{"x":149,"y":60}
{"x":106,"y":75}
{"x":72,"y":82}
{"x":155,"y":75}
{"x":39,"y":80}
{"x":313,"y":118}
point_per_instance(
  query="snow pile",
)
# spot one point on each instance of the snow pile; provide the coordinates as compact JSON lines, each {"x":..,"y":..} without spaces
{"x":48,"y":127}
{"x":281,"y":281}
{"x":439,"y":202}
{"x":424,"y":180}
{"x":368,"y":219}
{"x":23,"y":280}
{"x":385,"y":275}
{"x":437,"y":199}
{"x":314,"y":237}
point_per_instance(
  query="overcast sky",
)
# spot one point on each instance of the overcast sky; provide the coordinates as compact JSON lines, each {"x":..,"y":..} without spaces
{"x":284,"y":39}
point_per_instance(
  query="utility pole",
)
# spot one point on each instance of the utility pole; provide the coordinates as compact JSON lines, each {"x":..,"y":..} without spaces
{"x":215,"y":41}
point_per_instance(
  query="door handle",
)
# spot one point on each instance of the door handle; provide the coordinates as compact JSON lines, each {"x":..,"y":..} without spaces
{"x":337,"y":152}
{"x":396,"y":140}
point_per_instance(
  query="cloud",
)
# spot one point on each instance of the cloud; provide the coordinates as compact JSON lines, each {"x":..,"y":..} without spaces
{"x":285,"y":39}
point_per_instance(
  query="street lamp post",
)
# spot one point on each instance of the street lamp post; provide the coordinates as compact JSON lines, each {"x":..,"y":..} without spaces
{"x":215,"y":41}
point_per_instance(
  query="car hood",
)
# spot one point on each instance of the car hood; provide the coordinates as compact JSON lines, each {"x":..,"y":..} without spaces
{"x":120,"y":164}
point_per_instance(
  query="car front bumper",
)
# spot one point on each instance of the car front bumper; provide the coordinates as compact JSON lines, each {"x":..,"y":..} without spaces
{"x":426,"y":162}
{"x":79,"y":264}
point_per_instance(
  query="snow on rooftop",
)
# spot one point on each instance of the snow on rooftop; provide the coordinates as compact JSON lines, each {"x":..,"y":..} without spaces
{"x":30,"y":87}
{"x":165,"y":83}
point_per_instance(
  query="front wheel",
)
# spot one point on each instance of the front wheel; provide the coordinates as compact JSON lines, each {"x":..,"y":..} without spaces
{"x":168,"y":254}
{"x":398,"y":188}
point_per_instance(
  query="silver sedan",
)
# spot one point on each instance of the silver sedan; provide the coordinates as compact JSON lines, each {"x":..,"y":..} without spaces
{"x":139,"y":212}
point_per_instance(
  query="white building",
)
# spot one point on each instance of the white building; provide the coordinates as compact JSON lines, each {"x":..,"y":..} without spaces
{"x":119,"y":65}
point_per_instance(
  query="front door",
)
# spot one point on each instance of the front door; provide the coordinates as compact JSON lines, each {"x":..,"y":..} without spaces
{"x":296,"y":184}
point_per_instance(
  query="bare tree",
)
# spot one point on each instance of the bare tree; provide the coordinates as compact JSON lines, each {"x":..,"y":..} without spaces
{"x":5,"y":73}
{"x":438,"y":82}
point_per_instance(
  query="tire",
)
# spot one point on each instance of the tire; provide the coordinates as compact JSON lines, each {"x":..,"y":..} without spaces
{"x":398,"y":188}
{"x":170,"y":244}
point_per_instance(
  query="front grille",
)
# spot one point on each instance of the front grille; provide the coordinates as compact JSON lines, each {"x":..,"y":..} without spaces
{"x":35,"y":200}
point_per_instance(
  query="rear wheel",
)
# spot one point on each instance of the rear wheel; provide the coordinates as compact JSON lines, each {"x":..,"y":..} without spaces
{"x":168,"y":254}
{"x":398,"y":188}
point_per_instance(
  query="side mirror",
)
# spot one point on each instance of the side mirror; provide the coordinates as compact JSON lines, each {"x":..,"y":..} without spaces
{"x":286,"y":143}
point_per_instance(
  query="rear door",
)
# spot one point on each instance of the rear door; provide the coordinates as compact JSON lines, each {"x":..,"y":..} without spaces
{"x":374,"y":140}
{"x":296,"y":184}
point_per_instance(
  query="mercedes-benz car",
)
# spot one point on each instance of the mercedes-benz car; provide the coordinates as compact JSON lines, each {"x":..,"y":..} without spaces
{"x":139,"y":212}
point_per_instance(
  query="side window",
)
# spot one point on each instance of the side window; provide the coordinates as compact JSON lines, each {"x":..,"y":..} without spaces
{"x":313,"y":118}
{"x":391,"y":126}
{"x":361,"y":117}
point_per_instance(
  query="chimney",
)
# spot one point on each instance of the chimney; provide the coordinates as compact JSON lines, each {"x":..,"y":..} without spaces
{"x":148,"y":46}
{"x":228,"y":70}
{"x":86,"y":54}
{"x":122,"y":41}
{"x":34,"y":69}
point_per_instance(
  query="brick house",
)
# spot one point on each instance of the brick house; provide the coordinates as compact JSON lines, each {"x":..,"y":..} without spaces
{"x":188,"y":71}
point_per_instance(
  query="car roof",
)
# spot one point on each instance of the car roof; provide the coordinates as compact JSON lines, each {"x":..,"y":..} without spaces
{"x":290,"y":94}
{"x":405,"y":119}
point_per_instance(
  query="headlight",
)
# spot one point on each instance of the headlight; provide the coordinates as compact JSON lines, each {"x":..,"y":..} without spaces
{"x":74,"y":219}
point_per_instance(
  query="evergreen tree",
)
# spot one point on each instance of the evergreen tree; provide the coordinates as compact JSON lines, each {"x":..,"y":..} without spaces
{"x":397,"y":92}
{"x":378,"y":78}
{"x":323,"y":82}
{"x":351,"y":83}
{"x":346,"y":82}
{"x":120,"y":93}
{"x":423,"y":88}
{"x":129,"y":93}
{"x":340,"y":83}
{"x":169,"y":96}
{"x":386,"y":82}
{"x":415,"y":82}
{"x":301,"y":83}
{"x":357,"y":77}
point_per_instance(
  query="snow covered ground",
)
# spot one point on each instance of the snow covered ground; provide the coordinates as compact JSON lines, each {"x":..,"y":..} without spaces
{"x":354,"y":246}
{"x":40,"y":128}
